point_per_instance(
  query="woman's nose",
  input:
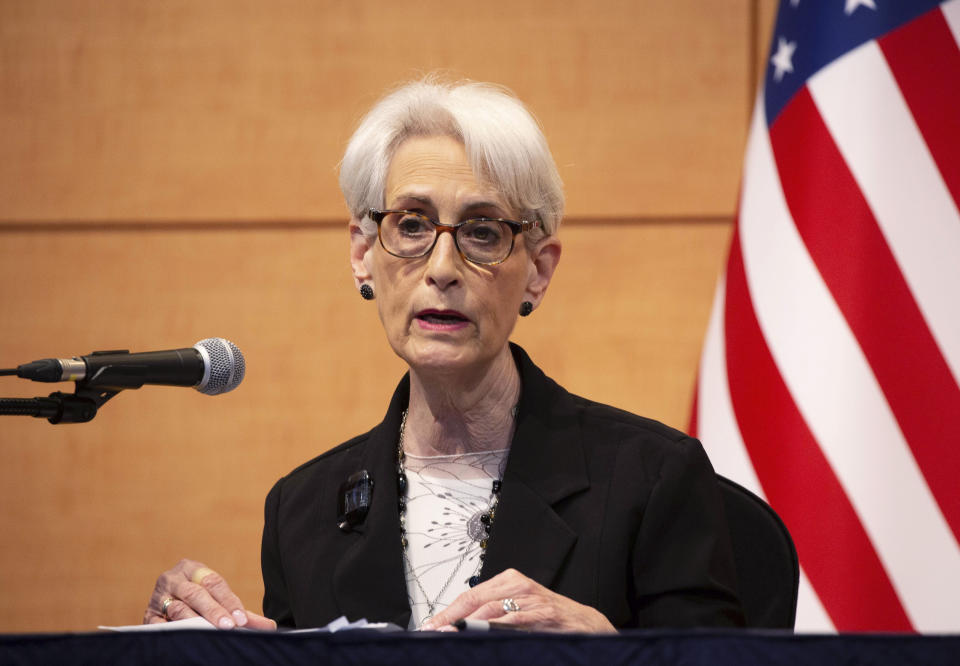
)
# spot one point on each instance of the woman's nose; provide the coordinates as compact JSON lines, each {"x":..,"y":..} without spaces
{"x":445,"y":263}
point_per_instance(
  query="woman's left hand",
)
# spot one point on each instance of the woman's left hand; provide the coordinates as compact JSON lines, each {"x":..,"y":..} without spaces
{"x":537,"y":608}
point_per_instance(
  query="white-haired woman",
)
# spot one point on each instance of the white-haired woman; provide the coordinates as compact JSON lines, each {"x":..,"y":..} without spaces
{"x":487,"y":491}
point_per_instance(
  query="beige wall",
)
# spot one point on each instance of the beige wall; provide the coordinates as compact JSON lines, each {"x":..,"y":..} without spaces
{"x":167,"y":173}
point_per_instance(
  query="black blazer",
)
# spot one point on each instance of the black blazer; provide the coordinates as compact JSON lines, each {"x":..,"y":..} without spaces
{"x":605,"y":507}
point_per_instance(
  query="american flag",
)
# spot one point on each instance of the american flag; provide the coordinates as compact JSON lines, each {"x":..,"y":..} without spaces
{"x":829,"y":377}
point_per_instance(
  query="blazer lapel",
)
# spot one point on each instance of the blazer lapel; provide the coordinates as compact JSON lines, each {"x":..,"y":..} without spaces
{"x":545,"y":465}
{"x":370,"y":574}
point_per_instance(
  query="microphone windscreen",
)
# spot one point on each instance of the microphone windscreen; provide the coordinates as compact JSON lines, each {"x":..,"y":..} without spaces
{"x":223,"y":363}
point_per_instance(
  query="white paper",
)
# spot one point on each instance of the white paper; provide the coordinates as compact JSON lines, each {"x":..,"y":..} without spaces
{"x":198,"y":623}
{"x":189,"y":623}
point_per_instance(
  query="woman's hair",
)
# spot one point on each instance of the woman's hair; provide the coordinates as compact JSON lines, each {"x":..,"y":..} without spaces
{"x":503,"y":142}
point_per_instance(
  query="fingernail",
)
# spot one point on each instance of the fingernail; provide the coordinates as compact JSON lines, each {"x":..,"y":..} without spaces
{"x":427,"y":626}
{"x":240,"y":617}
{"x":226,"y":623}
{"x":447,"y":627}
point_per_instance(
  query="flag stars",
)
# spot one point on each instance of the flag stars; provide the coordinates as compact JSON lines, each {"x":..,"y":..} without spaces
{"x":852,"y":5}
{"x":783,"y":59}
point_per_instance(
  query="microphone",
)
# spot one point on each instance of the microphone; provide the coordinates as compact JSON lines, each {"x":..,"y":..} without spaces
{"x":212,"y":366}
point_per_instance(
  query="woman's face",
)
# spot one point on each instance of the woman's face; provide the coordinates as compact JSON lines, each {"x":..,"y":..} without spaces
{"x":441,"y":311}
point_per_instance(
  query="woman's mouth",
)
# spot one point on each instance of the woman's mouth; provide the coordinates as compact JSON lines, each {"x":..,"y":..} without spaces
{"x":441,"y":320}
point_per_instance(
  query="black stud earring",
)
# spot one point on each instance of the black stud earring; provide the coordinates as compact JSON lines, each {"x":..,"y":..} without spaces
{"x":526,"y":308}
{"x":366,"y":291}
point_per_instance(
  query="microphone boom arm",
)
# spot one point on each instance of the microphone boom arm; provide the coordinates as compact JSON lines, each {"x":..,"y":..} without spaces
{"x":78,"y":407}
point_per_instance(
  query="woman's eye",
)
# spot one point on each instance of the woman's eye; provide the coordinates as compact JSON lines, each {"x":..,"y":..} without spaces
{"x":484,"y":232}
{"x":412,"y":225}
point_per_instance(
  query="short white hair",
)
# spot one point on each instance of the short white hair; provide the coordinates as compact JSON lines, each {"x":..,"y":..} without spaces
{"x":502,"y":139}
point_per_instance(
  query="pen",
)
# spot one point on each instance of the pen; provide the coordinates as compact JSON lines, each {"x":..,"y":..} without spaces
{"x":464,"y":624}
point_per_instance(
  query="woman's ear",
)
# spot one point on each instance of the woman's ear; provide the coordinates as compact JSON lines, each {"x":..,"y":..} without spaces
{"x":544,"y":258}
{"x":360,"y":246}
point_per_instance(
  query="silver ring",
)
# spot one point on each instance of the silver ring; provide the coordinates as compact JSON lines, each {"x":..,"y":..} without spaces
{"x":165,"y":606}
{"x":509,"y":605}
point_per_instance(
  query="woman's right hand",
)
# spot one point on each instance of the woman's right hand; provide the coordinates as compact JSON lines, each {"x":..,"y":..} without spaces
{"x":190,"y":589}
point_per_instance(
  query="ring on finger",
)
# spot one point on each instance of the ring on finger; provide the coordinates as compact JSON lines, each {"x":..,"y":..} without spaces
{"x":165,"y":606}
{"x":509,"y":605}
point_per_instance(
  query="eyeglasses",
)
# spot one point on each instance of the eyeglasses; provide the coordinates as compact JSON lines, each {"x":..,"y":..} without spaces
{"x":484,"y":240}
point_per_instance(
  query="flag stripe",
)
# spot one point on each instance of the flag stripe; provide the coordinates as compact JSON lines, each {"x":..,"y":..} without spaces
{"x":811,"y":615}
{"x":925,"y":61}
{"x":721,"y":438}
{"x":793,"y":469}
{"x":716,"y":422}
{"x":837,"y":393}
{"x":951,"y":12}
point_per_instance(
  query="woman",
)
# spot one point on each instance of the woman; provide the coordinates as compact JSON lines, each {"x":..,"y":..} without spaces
{"x":497,"y":494}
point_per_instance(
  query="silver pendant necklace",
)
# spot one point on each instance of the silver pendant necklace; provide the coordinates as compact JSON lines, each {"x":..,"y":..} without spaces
{"x":478,"y":526}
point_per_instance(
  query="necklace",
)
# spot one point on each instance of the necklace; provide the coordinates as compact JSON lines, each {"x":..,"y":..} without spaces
{"x":478,"y":527}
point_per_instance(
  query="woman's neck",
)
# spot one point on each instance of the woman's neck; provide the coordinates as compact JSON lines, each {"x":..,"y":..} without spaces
{"x":461,"y":413}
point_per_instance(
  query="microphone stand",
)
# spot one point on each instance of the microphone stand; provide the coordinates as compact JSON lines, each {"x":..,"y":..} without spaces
{"x":59,"y":407}
{"x":81,"y":405}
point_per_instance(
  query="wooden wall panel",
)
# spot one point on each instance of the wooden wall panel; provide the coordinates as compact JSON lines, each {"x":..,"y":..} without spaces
{"x":230,"y":109}
{"x":93,"y":512}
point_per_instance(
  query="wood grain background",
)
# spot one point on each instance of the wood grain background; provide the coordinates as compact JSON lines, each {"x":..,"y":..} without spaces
{"x":168,"y":173}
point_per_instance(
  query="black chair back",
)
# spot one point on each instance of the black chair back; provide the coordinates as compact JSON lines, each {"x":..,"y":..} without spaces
{"x":768,"y":571}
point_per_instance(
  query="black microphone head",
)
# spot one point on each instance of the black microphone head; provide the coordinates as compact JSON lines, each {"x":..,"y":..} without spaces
{"x":223,"y":366}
